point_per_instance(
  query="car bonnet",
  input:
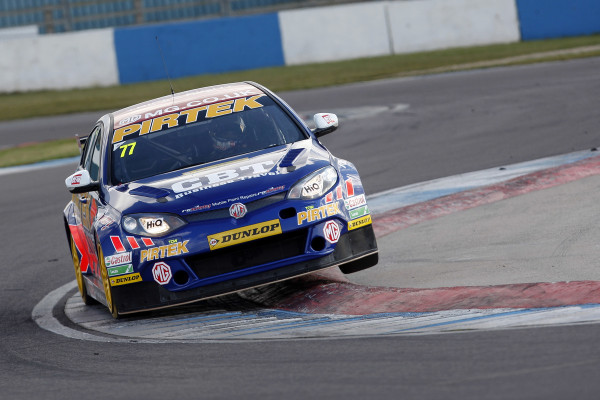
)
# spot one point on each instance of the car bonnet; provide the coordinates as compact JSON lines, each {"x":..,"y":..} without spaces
{"x":201,"y":188}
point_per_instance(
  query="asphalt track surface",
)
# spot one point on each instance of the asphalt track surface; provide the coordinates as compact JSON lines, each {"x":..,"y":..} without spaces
{"x":455,"y":123}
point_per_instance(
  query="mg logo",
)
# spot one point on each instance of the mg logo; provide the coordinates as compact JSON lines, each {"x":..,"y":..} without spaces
{"x":162,"y":273}
{"x":331,"y":231}
{"x":238,"y":210}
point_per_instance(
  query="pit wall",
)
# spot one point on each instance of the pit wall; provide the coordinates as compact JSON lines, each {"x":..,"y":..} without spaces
{"x":133,"y":54}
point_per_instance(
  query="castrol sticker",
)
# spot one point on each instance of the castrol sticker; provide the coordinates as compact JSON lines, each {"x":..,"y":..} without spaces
{"x":117,"y":259}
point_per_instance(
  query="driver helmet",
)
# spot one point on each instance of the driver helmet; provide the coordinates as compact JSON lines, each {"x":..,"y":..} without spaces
{"x":227,"y":135}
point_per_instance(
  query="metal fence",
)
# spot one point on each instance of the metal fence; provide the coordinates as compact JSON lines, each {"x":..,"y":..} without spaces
{"x":52,"y":16}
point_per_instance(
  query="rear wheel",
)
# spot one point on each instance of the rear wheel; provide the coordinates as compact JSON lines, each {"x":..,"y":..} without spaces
{"x":112,"y":307}
{"x":87,"y":300}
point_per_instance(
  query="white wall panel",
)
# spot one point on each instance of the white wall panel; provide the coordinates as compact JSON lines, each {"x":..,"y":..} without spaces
{"x":334,"y":33}
{"x":60,"y":61}
{"x":420,"y":25}
{"x":18,"y":31}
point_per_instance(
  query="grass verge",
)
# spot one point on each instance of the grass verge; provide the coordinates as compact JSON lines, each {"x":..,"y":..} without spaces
{"x":38,"y":152}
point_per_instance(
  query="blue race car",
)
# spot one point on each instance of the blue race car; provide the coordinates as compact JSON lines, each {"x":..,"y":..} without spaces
{"x":208,"y":192}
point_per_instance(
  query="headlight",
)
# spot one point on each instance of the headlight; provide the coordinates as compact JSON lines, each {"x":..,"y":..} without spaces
{"x":314,"y":185}
{"x":151,"y":224}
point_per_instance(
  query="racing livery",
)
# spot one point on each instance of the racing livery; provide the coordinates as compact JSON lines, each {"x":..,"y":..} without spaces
{"x":208,"y":192}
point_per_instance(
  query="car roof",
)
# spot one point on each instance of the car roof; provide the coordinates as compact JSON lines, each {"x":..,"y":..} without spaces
{"x":182,"y":101}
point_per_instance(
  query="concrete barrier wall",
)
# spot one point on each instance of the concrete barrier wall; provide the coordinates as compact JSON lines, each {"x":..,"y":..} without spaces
{"x":62,"y":61}
{"x":440,"y":24}
{"x":126,"y":55}
{"x":334,"y":33}
{"x":198,"y":47}
{"x":558,"y":18}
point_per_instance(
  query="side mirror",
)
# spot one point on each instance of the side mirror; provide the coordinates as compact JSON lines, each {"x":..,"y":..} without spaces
{"x":81,"y":182}
{"x":325,"y":123}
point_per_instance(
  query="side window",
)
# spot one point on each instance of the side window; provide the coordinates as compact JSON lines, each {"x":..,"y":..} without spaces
{"x":92,"y":163}
{"x":87,"y":148}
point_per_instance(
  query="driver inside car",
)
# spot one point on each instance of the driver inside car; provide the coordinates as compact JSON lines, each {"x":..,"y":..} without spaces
{"x":227,"y":138}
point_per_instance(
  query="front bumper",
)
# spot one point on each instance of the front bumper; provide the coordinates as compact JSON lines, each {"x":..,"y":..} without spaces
{"x":355,"y":250}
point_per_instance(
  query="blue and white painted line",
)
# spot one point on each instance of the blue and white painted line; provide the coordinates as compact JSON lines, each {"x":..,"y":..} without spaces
{"x":219,"y":324}
{"x":424,"y":191}
{"x":41,"y":165}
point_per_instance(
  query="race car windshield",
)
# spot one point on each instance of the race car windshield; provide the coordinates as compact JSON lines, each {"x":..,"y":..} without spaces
{"x":199,"y":136}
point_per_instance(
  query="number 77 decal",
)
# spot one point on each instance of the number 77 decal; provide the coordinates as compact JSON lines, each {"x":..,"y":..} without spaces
{"x":125,"y":146}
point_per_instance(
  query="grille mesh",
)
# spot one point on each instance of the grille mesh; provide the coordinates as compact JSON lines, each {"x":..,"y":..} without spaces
{"x":249,"y":254}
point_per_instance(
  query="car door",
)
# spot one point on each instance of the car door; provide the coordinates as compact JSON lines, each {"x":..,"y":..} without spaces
{"x":86,"y":204}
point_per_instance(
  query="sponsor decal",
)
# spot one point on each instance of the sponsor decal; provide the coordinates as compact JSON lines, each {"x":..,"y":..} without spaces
{"x":328,"y":119}
{"x":93,"y":209}
{"x":222,"y":177}
{"x":120,"y":270}
{"x":147,"y":241}
{"x":316,"y":214}
{"x":157,"y":121}
{"x":105,"y":222}
{"x":154,"y":223}
{"x":358,"y":223}
{"x":168,"y":250}
{"x":192,"y":104}
{"x":338,"y":193}
{"x":247,"y":197}
{"x":88,"y":259}
{"x":125,"y":279}
{"x":200,"y":171}
{"x":197,"y":208}
{"x":349,"y":188}
{"x":76,"y":180}
{"x":359,"y":212}
{"x":244,"y":234}
{"x":117,"y":244}
{"x":133,"y":243}
{"x":310,"y":188}
{"x":161,"y":273}
{"x":238,"y":210}
{"x":354,"y":202}
{"x":124,"y":147}
{"x":117,"y":259}
{"x":331,"y":231}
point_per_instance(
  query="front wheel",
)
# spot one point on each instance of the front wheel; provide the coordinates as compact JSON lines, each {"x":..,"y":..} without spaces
{"x":87,"y":300}
{"x":112,"y":307}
